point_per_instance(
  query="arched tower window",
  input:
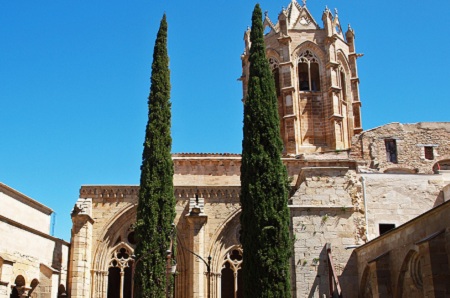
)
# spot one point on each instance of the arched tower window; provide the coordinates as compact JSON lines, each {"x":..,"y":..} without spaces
{"x":273,"y":63}
{"x":119,"y":274}
{"x":308,"y":71}
{"x":231,"y":279}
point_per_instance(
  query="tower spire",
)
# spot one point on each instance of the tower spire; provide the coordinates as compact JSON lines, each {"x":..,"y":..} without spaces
{"x":304,"y":3}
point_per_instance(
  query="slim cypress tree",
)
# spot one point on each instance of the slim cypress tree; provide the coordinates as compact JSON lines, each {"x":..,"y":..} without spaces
{"x":156,"y":207}
{"x":264,"y":184}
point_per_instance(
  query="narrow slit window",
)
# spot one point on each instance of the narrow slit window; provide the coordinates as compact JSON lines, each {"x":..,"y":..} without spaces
{"x":343,"y":86}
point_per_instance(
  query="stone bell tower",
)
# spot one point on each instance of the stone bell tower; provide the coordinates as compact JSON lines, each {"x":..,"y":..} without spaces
{"x":316,"y":79}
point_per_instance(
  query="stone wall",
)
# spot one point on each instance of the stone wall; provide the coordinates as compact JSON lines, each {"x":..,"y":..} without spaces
{"x":24,"y":209}
{"x":410,"y":139}
{"x":326,"y":208}
{"x":398,"y":198}
{"x":28,"y":253}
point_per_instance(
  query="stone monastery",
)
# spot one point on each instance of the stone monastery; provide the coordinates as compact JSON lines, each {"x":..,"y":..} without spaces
{"x":370,"y":210}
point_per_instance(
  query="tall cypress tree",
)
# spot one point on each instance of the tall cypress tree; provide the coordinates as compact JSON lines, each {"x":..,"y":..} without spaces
{"x":264,"y":184}
{"x":156,"y":207}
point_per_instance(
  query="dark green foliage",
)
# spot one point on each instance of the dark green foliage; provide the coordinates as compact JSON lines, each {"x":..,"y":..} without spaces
{"x":156,"y":208}
{"x":264,"y":184}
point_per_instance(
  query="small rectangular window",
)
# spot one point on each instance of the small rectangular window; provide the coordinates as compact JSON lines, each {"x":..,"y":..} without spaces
{"x":391,"y":150}
{"x":384,"y":228}
{"x":429,"y":154}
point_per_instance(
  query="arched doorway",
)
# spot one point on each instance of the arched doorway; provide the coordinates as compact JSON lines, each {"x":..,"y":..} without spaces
{"x":231,"y":280}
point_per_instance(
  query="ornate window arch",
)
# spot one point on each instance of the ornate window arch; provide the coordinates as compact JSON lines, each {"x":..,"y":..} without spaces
{"x":308,"y":71}
{"x":231,"y":279}
{"x":120,"y":272}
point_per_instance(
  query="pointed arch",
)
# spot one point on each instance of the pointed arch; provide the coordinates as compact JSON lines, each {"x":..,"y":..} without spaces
{"x":310,"y":60}
{"x":344,"y":77}
{"x":231,"y":280}
{"x":114,"y":234}
{"x":120,"y":267}
{"x":224,"y":238}
{"x":365,"y":290}
{"x":411,"y":266}
{"x":314,"y":48}
{"x":118,"y":224}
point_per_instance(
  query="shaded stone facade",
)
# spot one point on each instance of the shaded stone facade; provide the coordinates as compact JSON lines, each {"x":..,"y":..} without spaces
{"x":411,"y":261}
{"x":32,"y":263}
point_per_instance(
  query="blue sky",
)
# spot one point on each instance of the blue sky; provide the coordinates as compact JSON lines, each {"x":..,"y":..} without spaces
{"x":75,"y":79}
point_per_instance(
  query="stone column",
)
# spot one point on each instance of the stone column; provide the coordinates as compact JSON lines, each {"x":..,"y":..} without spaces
{"x":55,"y":284}
{"x":6,"y":275}
{"x":197,"y":220}
{"x":80,"y":253}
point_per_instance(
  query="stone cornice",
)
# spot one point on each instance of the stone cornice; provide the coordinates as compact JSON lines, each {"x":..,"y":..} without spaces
{"x":208,"y":192}
{"x":181,"y":192}
{"x":108,"y":191}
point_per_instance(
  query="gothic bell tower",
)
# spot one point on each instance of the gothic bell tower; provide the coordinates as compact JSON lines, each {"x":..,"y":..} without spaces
{"x":316,"y":79}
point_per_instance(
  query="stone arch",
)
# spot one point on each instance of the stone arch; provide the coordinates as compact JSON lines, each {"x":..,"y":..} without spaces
{"x":181,"y":279}
{"x":34,"y":290}
{"x":117,"y":226}
{"x":20,"y":281}
{"x":321,"y":60}
{"x":410,"y":269}
{"x":19,"y":287}
{"x":442,"y":165}
{"x":342,"y":60}
{"x":272,"y":53}
{"x":309,"y":45}
{"x":107,"y":242}
{"x":120,"y":266}
{"x":225,"y":238}
{"x":62,"y":291}
{"x":230,"y":277}
{"x":365,"y":286}
{"x":274,"y":64}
